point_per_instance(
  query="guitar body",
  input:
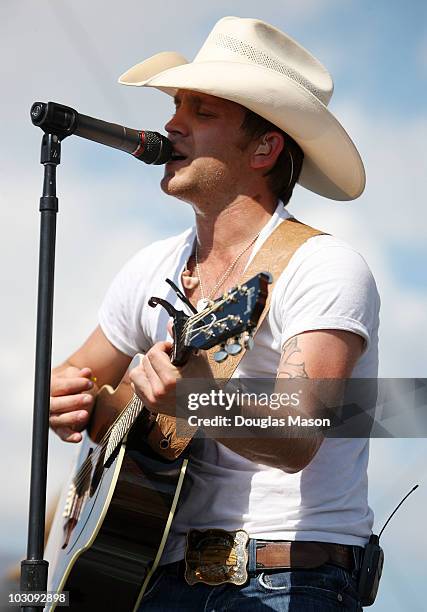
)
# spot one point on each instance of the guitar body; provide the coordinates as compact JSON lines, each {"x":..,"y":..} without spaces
{"x":105,"y":551}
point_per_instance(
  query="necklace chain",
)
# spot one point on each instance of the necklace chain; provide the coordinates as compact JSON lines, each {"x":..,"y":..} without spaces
{"x":223,"y":276}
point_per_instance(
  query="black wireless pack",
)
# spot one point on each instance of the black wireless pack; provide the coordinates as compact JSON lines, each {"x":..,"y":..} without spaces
{"x":372,"y":564}
{"x":370,"y":571}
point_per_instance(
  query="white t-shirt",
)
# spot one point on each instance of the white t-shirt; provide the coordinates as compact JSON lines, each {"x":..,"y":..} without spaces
{"x":326,"y":285}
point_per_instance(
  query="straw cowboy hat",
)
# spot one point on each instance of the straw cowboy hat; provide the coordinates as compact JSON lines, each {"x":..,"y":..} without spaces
{"x":252,"y":63}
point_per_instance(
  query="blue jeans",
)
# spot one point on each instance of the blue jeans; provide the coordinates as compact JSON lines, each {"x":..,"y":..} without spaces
{"x":325,"y":589}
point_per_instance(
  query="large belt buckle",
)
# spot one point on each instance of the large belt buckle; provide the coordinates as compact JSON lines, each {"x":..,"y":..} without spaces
{"x":216,"y":556}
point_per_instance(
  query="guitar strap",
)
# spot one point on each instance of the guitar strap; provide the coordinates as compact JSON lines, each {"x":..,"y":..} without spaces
{"x":273,"y":257}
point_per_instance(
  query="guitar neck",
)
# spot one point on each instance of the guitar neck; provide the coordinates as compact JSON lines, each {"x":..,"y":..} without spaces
{"x":123,"y":424}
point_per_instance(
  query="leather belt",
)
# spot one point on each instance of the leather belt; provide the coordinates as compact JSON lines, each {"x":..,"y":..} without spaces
{"x":298,"y":554}
{"x":216,"y":556}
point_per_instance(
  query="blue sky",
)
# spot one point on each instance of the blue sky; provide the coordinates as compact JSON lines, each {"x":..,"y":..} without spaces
{"x":382,"y":43}
{"x":110,"y":204}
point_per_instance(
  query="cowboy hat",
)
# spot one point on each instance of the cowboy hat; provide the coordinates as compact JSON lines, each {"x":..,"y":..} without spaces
{"x":252,"y":63}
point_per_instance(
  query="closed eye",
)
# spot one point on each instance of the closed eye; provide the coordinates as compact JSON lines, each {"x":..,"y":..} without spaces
{"x":205,"y":114}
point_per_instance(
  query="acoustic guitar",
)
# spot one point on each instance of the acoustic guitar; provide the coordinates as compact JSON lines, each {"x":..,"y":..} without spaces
{"x":115,"y":514}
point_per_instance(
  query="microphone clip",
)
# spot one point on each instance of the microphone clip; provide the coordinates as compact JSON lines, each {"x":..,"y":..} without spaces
{"x":54,"y":118}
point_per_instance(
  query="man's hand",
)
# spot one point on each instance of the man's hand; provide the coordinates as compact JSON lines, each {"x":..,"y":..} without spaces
{"x":154,"y":379}
{"x":71,"y":402}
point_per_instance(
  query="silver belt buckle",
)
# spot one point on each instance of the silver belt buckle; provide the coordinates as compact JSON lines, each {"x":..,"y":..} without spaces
{"x":216,"y":556}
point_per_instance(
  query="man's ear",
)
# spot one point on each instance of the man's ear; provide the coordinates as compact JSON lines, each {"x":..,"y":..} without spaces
{"x":268,"y":150}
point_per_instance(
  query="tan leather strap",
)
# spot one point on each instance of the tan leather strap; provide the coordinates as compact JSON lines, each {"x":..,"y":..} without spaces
{"x":273,"y":257}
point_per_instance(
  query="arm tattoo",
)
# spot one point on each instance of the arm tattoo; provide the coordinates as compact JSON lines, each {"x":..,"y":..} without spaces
{"x":290,"y":366}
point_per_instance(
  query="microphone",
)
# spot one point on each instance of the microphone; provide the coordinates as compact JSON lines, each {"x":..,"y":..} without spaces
{"x":54,"y":118}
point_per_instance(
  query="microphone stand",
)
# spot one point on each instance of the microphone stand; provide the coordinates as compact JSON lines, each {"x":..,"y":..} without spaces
{"x":59,"y":121}
{"x":34,"y":568}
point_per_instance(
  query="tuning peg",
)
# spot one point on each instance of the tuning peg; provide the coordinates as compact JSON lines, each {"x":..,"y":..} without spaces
{"x":230,"y":297}
{"x":233,"y":348}
{"x":248,"y":341}
{"x":221,"y":354}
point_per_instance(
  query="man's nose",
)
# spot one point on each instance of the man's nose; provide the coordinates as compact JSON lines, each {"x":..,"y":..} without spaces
{"x":177,"y":124}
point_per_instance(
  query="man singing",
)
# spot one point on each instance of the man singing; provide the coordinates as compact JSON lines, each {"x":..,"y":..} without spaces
{"x":250,"y":121}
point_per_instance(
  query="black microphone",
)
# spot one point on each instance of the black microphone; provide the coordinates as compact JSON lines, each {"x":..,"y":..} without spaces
{"x":54,"y":118}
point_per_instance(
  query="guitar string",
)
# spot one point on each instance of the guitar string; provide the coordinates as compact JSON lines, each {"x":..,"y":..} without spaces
{"x":92,"y":459}
{"x":87,"y":465}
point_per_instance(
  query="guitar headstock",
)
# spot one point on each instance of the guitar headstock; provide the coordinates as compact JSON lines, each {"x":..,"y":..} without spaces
{"x":229,"y":321}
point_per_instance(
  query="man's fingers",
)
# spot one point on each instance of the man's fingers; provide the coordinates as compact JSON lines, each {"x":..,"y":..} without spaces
{"x":164,"y":347}
{"x":69,"y":403}
{"x":87,"y":372}
{"x":70,"y":407}
{"x":141,"y":385}
{"x":159,"y":358}
{"x":152,"y":377}
{"x":68,"y":435}
{"x":170,"y":328}
{"x":68,"y":386}
{"x":74,"y":421}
